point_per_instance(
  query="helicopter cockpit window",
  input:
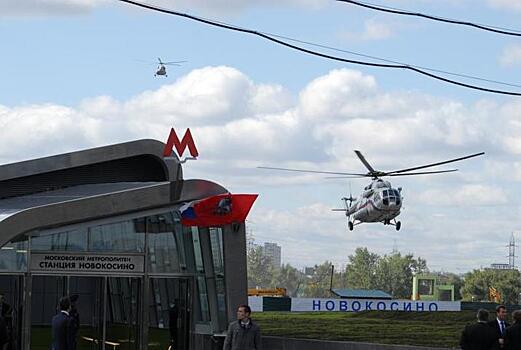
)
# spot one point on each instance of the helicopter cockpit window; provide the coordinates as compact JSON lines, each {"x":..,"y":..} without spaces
{"x":385,"y":193}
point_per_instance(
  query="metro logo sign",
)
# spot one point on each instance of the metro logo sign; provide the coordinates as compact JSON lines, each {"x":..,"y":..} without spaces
{"x":180,"y":146}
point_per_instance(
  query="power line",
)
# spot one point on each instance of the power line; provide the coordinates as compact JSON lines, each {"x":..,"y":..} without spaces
{"x":485,"y":27}
{"x":314,"y":53}
{"x":397,"y":62}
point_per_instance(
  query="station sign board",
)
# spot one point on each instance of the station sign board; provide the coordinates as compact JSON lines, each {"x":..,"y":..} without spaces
{"x":357,"y":305}
{"x":87,"y":263}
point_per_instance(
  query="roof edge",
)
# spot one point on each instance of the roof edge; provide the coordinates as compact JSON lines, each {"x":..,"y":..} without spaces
{"x":88,"y":157}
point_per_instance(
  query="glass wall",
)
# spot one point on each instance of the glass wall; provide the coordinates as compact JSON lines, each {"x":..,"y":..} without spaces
{"x":175,"y":279}
{"x":13,"y":257}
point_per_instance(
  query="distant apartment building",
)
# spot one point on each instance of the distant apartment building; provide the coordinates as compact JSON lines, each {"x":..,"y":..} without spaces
{"x":272,"y":251}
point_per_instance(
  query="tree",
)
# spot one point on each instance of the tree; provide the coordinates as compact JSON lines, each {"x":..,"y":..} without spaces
{"x":361,"y":269}
{"x":394,"y":274}
{"x":290,"y":278}
{"x":318,"y":285}
{"x":507,"y":282}
{"x":260,"y":270}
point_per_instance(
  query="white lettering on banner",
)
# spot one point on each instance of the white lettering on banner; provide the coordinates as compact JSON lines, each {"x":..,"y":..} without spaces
{"x":355,"y":305}
{"x":92,"y":263}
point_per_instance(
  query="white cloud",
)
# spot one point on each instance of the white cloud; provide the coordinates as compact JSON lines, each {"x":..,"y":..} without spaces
{"x":47,"y":7}
{"x":239,"y":124}
{"x":374,"y":29}
{"x":511,"y":56}
{"x":77,"y":7}
{"x":506,"y":4}
{"x":474,"y":195}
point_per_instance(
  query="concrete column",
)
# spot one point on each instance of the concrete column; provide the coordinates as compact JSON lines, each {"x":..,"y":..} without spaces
{"x":235,"y":273}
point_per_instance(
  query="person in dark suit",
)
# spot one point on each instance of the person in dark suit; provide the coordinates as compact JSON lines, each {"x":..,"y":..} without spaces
{"x":61,"y":336}
{"x":74,"y":321}
{"x":499,"y":325}
{"x":513,"y":333}
{"x":478,"y":336}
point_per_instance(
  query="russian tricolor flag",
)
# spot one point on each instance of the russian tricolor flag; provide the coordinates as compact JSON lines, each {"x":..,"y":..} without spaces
{"x":217,"y":210}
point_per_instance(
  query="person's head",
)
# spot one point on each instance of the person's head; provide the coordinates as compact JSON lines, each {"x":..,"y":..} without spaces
{"x":243,"y":312}
{"x":482,"y":315}
{"x":516,"y":316}
{"x":501,"y":312}
{"x":65,"y":304}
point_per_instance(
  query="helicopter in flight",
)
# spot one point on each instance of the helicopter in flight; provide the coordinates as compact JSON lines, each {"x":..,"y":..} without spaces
{"x":379,"y":201}
{"x":161,"y":69}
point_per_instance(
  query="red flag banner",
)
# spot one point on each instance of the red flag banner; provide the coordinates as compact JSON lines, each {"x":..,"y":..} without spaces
{"x":217,"y":210}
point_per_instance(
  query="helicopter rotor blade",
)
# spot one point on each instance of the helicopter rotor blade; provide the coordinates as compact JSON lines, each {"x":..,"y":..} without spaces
{"x":312,"y":171}
{"x":365,"y":162}
{"x":348,"y":177}
{"x":389,"y":173}
{"x":174,"y":62}
{"x":425,"y":172}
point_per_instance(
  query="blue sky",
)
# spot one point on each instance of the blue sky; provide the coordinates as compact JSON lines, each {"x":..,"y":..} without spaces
{"x":72,"y":77}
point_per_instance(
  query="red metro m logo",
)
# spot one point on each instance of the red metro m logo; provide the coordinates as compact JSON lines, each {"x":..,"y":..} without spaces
{"x":180,"y":146}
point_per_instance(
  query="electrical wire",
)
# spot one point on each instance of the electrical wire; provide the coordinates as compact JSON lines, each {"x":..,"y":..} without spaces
{"x":489,"y":28}
{"x":318,"y":54}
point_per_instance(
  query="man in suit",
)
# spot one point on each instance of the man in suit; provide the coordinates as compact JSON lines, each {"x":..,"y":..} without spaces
{"x":513,"y":333}
{"x":74,"y":321}
{"x":500,"y":325}
{"x":478,"y":336}
{"x":61,"y":333}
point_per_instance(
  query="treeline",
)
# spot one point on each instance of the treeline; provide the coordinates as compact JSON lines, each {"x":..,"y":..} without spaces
{"x":391,"y":273}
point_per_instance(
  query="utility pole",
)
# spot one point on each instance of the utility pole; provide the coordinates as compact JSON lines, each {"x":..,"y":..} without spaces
{"x":332,"y":273}
{"x":512,"y":252}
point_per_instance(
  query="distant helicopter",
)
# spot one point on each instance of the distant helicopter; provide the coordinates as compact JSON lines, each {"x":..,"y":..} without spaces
{"x":161,"y":69}
{"x":379,"y":202}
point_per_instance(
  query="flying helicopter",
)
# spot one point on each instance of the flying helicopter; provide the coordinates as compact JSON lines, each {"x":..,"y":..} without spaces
{"x":379,"y":201}
{"x":161,"y":69}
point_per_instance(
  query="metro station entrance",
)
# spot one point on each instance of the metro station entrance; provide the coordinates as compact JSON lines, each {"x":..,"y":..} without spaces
{"x":107,"y":307}
{"x":110,"y":311}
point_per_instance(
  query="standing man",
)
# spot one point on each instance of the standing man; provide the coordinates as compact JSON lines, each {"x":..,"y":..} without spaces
{"x":74,"y":325}
{"x":478,"y":336}
{"x":513,"y":333}
{"x":243,"y":334}
{"x":61,"y":336}
{"x":500,"y":325}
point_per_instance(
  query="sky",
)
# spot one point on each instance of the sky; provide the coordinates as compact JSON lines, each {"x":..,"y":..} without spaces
{"x":76,"y":74}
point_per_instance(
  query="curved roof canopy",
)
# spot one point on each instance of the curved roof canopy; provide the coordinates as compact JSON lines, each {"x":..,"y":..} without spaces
{"x":92,"y":184}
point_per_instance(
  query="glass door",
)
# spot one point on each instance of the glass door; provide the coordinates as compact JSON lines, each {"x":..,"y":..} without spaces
{"x":169,"y":313}
{"x":86,"y":312}
{"x":123,"y":302}
{"x":86,"y":294}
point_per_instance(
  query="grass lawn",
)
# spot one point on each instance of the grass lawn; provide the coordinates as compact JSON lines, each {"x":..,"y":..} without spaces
{"x":436,"y":329}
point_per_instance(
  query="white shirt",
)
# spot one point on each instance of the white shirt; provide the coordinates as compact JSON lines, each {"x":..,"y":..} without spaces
{"x":503,"y":326}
